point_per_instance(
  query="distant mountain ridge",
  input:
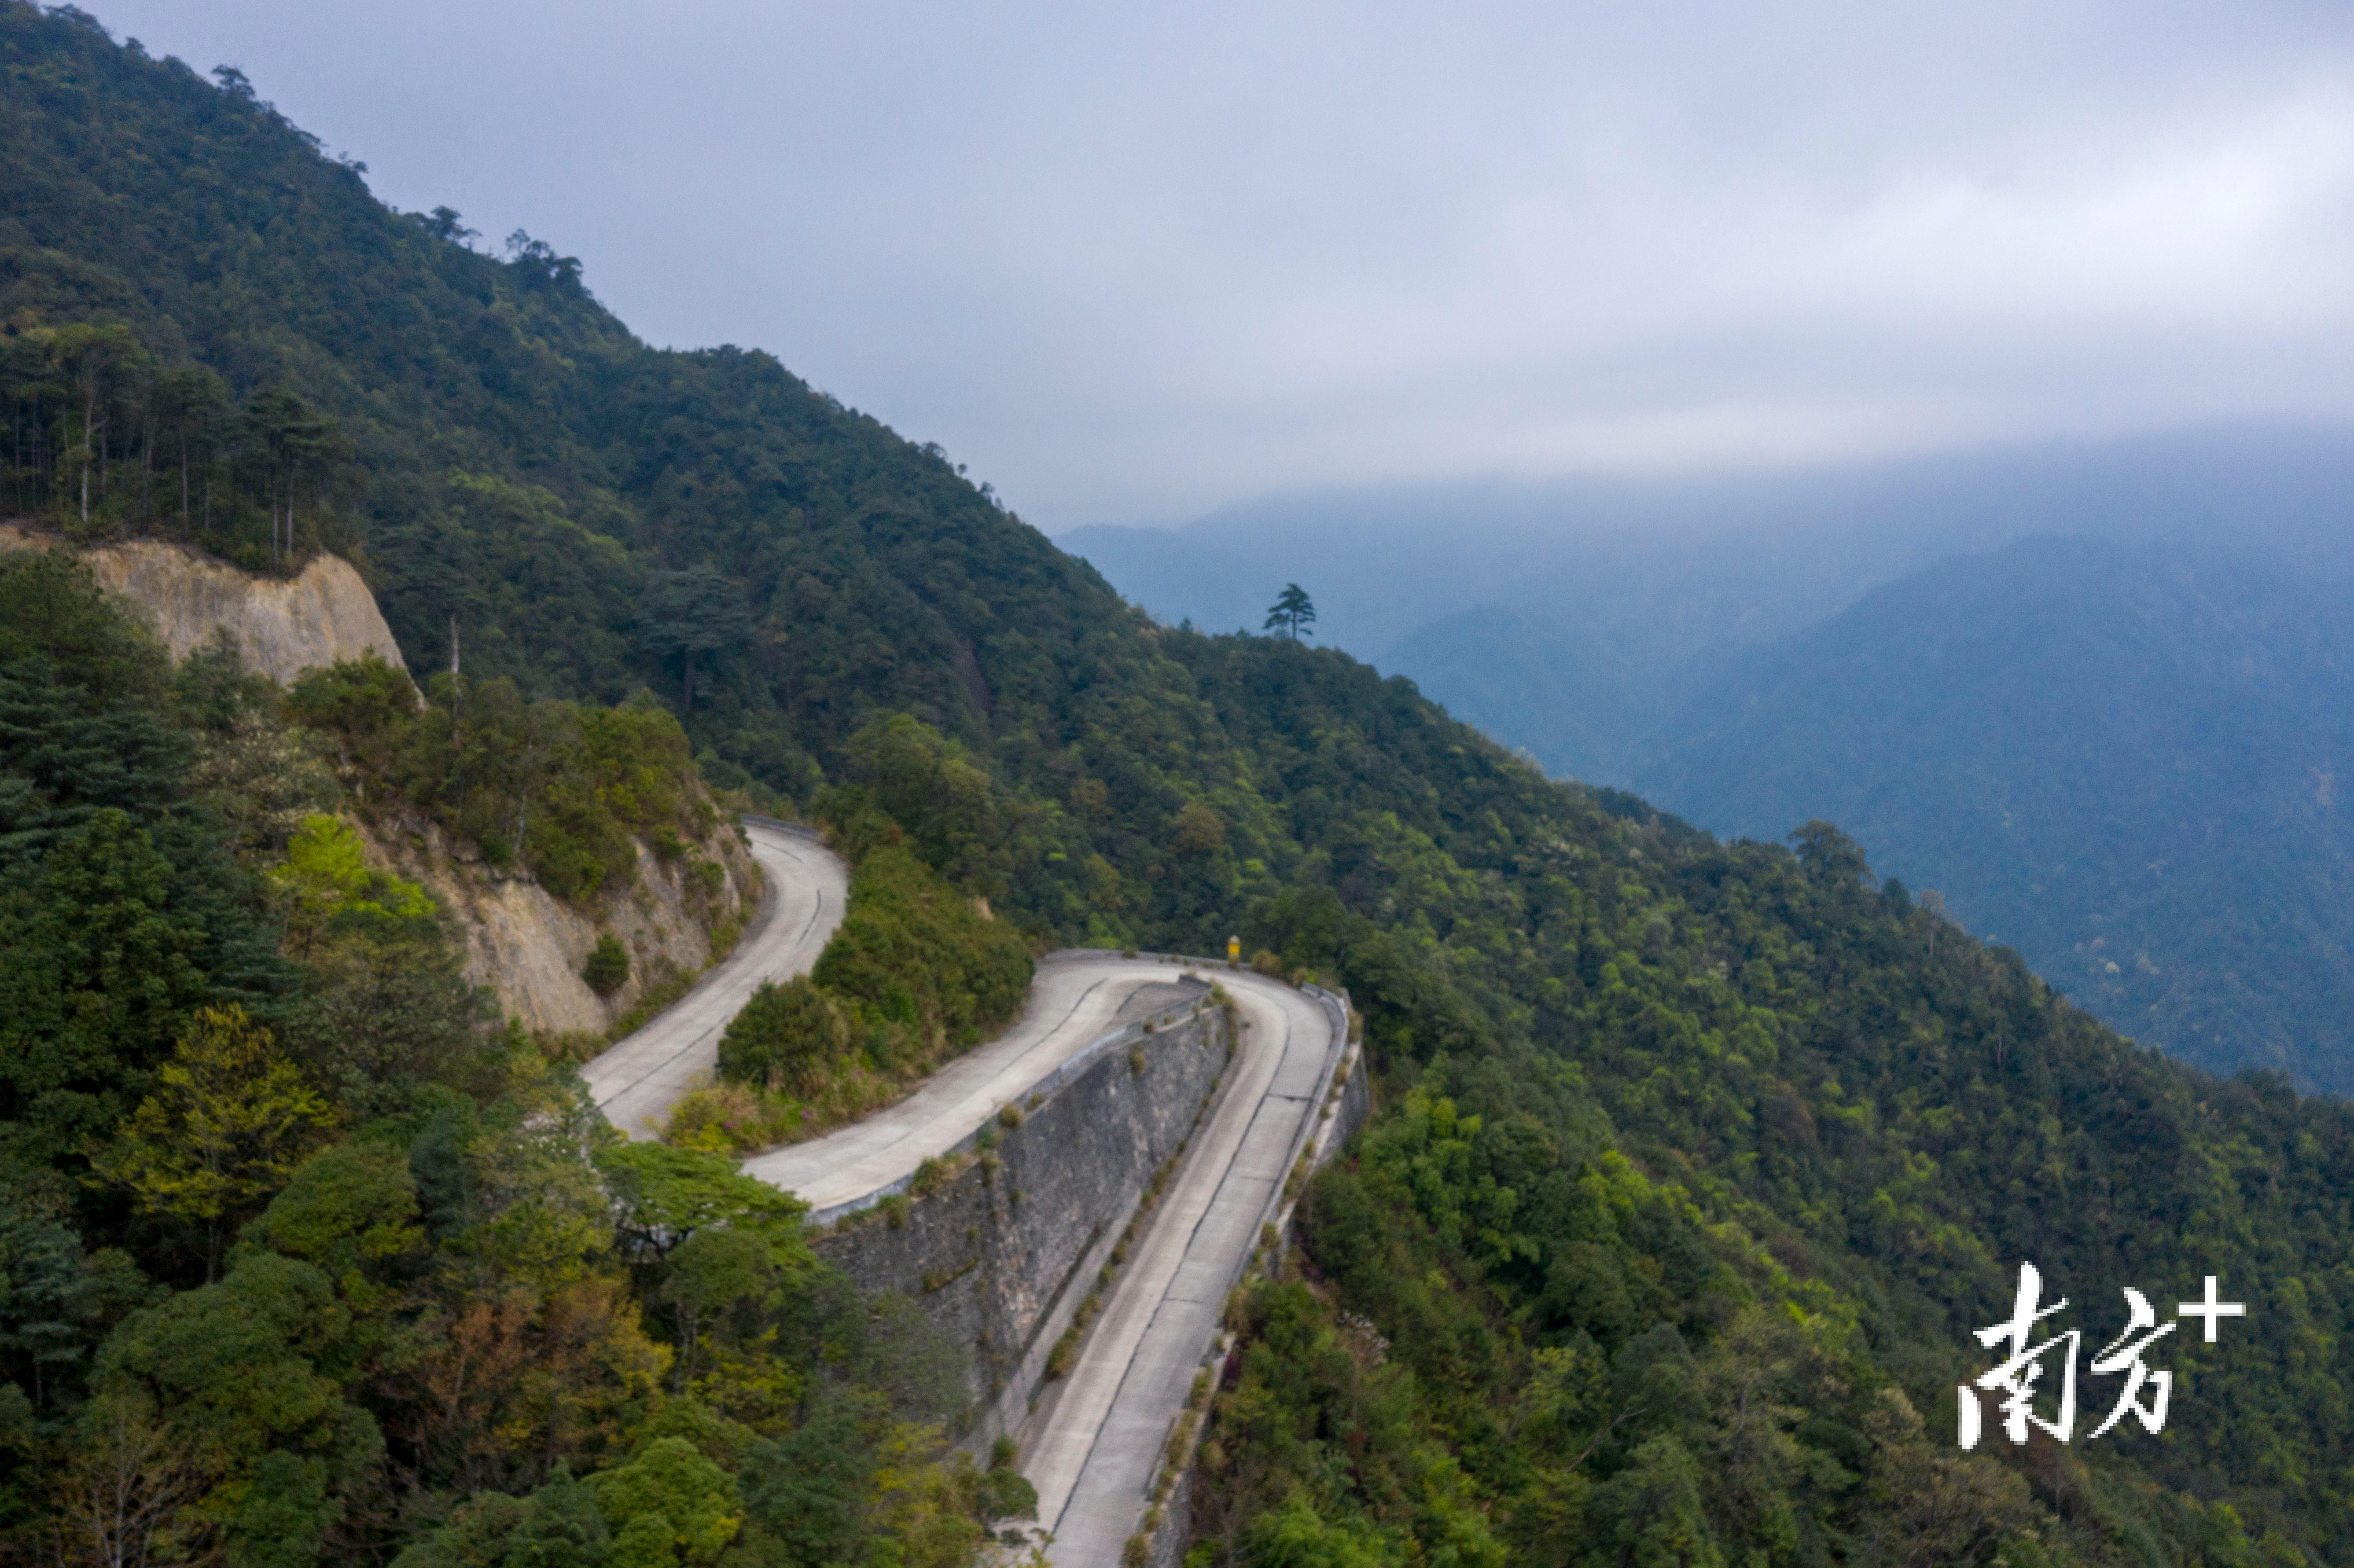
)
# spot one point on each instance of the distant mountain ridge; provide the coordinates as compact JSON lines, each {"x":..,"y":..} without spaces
{"x":2023,"y":680}
{"x":2124,"y":764}
{"x":1572,"y":701}
{"x":1673,"y":568}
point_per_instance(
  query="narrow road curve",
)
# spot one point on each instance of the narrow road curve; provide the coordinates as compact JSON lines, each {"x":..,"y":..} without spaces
{"x":1074,"y":998}
{"x":1093,"y":1451}
{"x":637,"y":1082}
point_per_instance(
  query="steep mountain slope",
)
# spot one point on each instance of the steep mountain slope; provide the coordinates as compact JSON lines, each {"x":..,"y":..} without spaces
{"x":1700,"y":1161}
{"x":588,"y":513}
{"x":2123,"y":765}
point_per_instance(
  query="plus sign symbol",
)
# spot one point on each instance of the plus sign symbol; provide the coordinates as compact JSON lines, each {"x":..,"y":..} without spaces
{"x":2210,"y":1310}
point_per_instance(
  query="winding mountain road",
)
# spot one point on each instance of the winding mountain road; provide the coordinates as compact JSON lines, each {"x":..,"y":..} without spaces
{"x":1094,"y":1446}
{"x":1092,"y":1452}
{"x":1074,"y":997}
{"x":637,"y":1082}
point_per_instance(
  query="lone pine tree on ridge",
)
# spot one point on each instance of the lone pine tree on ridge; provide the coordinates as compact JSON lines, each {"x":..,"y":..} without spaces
{"x":1291,"y":612}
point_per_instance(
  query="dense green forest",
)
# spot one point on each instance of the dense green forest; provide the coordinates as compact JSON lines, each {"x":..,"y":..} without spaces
{"x":305,"y":1257}
{"x":1698,"y":1163}
{"x":2157,"y":829}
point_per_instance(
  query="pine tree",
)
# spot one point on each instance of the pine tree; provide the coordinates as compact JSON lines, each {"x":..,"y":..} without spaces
{"x":607,"y":968}
{"x":1291,"y":612}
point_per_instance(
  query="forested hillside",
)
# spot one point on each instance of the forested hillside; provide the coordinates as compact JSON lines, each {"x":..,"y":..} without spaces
{"x":304,"y":1256}
{"x":1697,"y":1163}
{"x":186,"y":282}
{"x":2122,"y":762}
{"x":2092,"y":694}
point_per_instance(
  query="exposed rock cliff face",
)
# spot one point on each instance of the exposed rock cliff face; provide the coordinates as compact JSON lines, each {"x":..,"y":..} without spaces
{"x":282,"y":628}
{"x":530,"y":946}
{"x":525,"y":944}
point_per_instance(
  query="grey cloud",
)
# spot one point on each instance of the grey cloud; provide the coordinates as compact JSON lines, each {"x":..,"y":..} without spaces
{"x":1132,"y":262}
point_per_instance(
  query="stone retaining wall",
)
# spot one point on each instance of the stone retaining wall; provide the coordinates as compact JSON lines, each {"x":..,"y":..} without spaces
{"x":1002,"y":1255}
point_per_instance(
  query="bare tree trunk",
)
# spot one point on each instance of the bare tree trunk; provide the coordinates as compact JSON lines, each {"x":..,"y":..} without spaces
{"x":457,"y":691}
{"x":127,"y":1487}
{"x":523,"y":820}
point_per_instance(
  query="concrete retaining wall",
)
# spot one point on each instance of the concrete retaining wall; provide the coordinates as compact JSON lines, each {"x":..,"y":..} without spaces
{"x":1353,"y":1110}
{"x":1000,"y":1257}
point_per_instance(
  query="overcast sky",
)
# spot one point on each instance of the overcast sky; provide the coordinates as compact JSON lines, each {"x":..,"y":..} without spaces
{"x":1131,"y":261}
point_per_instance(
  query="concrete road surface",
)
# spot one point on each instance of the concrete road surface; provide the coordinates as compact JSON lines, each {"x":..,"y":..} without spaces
{"x":1074,"y":998}
{"x":1094,"y":1451}
{"x":637,"y":1082}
